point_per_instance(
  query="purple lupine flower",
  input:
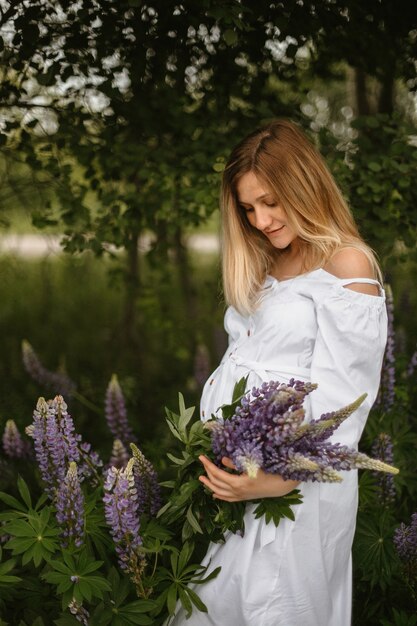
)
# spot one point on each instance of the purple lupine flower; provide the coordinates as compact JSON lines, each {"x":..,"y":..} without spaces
{"x":116,"y":414}
{"x":119,"y":455}
{"x":201,"y":365}
{"x":57,"y":444}
{"x":54,"y":381}
{"x":382,"y":449}
{"x":386,"y":395}
{"x":70,"y":508}
{"x":49,"y":445}
{"x":268,"y":431}
{"x":405,"y":541}
{"x":14,"y":446}
{"x":147,"y":486}
{"x":121,"y":512}
{"x":80,"y":613}
{"x":412,"y":364}
{"x":90,"y":462}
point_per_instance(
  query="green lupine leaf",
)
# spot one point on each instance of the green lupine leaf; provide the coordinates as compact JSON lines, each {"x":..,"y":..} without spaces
{"x":56,"y":578}
{"x":185,"y":601}
{"x":11,"y":501}
{"x":29,"y":554}
{"x":19,"y":528}
{"x":193,"y":521}
{"x":169,"y":484}
{"x":196,"y":600}
{"x":277,"y":508}
{"x":6,"y":566}
{"x":90,"y":567}
{"x":239,"y":389}
{"x":138,"y":606}
{"x":172,"y":598}
{"x":20,"y":544}
{"x":175,"y":459}
{"x":85,"y":589}
{"x":61,"y":567}
{"x":185,"y":555}
{"x":174,"y":430}
{"x":213,"y":574}
{"x":8,"y":580}
{"x":24,"y":492}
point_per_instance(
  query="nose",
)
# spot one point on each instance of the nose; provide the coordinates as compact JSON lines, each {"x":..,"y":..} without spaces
{"x":263,"y":218}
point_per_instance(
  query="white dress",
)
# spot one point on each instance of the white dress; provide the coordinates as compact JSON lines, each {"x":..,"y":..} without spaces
{"x":314,"y":329}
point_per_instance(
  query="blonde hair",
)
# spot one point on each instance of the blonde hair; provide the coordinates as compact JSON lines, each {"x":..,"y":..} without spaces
{"x":285,"y":161}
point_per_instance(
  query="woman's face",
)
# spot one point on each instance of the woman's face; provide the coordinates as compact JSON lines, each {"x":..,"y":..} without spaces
{"x":263,"y":211}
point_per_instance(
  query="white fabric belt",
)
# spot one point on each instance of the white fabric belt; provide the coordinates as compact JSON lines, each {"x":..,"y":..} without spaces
{"x":264,"y":368}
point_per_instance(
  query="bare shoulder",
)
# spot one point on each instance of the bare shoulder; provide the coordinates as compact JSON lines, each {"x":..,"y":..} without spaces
{"x":352,"y":263}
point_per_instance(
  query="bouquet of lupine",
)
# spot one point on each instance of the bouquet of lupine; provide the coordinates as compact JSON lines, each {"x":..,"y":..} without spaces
{"x":267,"y":430}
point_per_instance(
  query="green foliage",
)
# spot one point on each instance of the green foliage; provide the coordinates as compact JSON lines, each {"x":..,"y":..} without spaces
{"x":376,"y":174}
{"x":33,"y":530}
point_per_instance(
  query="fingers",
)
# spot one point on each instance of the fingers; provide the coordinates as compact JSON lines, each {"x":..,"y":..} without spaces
{"x":220,"y":492}
{"x":217,"y":471}
{"x":221,"y":483}
{"x":228,"y":463}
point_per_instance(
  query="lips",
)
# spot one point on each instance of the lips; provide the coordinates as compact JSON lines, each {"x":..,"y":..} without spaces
{"x":274,"y":232}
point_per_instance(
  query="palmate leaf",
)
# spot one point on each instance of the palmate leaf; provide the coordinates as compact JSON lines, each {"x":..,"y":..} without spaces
{"x":74,"y":578}
{"x":373,"y":548}
{"x":114,"y":610}
{"x":275,"y":509}
{"x":33,"y":539}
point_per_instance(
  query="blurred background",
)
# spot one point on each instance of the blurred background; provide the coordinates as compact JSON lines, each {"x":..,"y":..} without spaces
{"x":116,"y":120}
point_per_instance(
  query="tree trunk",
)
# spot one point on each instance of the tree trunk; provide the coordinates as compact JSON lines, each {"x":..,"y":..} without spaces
{"x":386,"y":96}
{"x":184,"y":270}
{"x":361,"y":96}
{"x":130,"y":331}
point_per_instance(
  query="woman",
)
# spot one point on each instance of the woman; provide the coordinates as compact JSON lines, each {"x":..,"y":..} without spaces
{"x":305,"y":301}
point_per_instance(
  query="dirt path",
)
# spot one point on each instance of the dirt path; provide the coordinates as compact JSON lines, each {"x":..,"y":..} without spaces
{"x":35,"y":246}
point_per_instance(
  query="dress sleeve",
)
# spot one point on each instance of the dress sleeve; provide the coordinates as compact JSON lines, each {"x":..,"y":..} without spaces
{"x":348,"y":355}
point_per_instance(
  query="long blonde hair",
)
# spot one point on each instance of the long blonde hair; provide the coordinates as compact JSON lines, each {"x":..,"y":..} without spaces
{"x":285,"y":161}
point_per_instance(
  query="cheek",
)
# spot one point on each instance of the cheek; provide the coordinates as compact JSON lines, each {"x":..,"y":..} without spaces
{"x":249,"y":218}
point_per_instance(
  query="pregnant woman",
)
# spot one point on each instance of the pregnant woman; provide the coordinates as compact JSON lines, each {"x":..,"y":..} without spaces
{"x":304,"y":300}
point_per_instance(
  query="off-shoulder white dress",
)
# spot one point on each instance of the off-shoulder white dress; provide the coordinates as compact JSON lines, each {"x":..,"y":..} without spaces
{"x":314,"y":329}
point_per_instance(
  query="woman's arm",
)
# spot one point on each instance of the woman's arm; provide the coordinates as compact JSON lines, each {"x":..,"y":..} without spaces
{"x":237,"y":487}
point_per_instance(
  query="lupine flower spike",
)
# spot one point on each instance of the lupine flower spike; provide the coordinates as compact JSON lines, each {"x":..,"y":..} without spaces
{"x":412,"y":364}
{"x":70,"y":508}
{"x":14,"y":446}
{"x":146,"y":480}
{"x":116,"y":414}
{"x":405,"y":541}
{"x":268,"y":431}
{"x":121,"y":511}
{"x":382,"y":449}
{"x":201,"y":364}
{"x":56,"y":382}
{"x":386,"y":396}
{"x":119,"y":455}
{"x":80,"y":613}
{"x":57,"y":444}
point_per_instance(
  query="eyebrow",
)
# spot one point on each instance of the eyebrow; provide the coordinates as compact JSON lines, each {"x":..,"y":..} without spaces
{"x":264,"y":195}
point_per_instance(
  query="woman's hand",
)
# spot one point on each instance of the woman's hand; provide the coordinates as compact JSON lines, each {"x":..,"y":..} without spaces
{"x":237,"y":487}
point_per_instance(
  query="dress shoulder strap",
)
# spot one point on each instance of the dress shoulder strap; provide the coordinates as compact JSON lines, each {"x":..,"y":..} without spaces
{"x":368,"y":281}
